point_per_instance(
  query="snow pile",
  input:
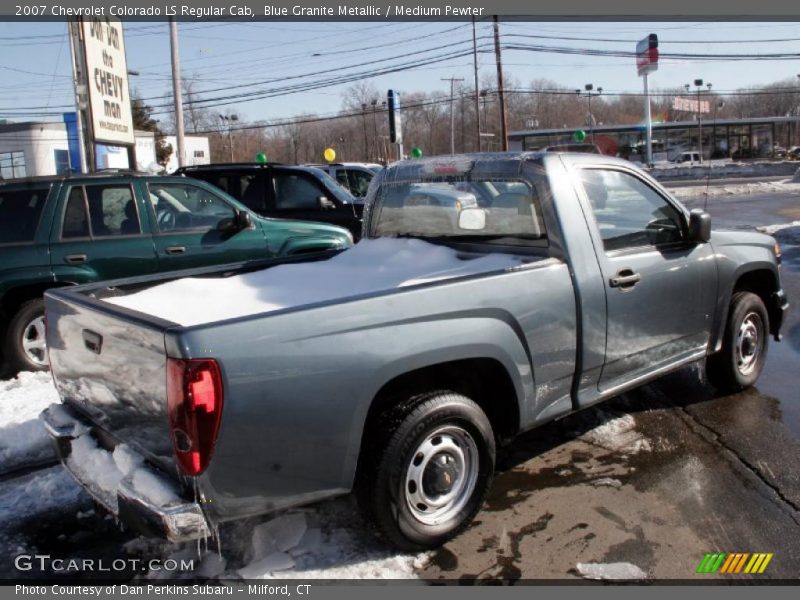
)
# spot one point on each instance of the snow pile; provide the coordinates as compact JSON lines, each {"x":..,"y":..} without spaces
{"x":617,"y":433}
{"x":736,"y":189}
{"x":614,"y":571}
{"x":23,"y":439}
{"x":105,"y":470}
{"x":326,"y":542}
{"x":370,"y":266}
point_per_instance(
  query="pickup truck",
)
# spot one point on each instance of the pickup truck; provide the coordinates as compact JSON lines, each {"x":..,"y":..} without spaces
{"x":397,"y":367}
{"x":57,"y":231}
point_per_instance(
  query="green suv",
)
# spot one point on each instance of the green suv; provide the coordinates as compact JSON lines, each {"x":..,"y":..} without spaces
{"x":58,"y":231}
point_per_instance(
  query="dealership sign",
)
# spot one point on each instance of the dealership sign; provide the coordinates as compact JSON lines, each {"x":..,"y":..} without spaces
{"x":689,"y":105}
{"x":647,"y":55}
{"x":107,"y":79}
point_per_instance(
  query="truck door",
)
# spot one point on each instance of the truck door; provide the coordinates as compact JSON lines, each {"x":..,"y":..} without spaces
{"x":660,"y":288}
{"x":99,"y":234}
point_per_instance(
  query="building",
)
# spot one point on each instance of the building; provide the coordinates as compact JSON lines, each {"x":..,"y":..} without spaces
{"x":722,"y":138}
{"x":33,"y":149}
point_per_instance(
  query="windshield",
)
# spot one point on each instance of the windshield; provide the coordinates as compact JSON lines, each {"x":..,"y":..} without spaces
{"x":511,"y":210}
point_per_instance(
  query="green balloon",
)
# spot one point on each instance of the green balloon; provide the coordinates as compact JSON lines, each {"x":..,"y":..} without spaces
{"x":416,"y":152}
{"x":261,"y":158}
{"x":579,"y":135}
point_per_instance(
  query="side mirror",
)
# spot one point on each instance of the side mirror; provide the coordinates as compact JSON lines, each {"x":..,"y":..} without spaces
{"x":325,"y":204}
{"x":243,"y":219}
{"x":699,"y":226}
{"x":472,"y":219}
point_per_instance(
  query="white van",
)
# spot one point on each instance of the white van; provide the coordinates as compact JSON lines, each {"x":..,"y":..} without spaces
{"x":690,"y":157}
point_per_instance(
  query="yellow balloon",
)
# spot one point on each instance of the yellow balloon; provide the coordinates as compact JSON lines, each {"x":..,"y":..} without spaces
{"x":329,"y":154}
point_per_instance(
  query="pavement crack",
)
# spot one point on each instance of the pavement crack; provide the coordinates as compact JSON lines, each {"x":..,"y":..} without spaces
{"x":715,"y":437}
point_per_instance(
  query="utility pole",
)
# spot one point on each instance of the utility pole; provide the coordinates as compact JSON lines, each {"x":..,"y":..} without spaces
{"x":500,"y":86}
{"x":79,"y":84}
{"x":452,"y":81}
{"x":374,"y":103}
{"x":229,"y":119}
{"x":176,"y":90}
{"x":364,"y":122}
{"x":477,"y":90}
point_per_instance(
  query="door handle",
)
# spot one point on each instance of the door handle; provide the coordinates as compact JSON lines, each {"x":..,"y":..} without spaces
{"x":75,"y":259}
{"x":625,"y":279}
{"x":175,"y":250}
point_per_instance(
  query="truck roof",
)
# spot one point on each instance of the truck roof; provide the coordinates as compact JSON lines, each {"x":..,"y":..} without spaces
{"x":106,"y":173}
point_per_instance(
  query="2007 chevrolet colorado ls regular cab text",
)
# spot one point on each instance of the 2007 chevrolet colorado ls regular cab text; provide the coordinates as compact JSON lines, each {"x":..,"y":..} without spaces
{"x":394,"y":368}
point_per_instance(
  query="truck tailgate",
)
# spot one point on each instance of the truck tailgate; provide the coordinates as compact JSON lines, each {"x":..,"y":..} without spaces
{"x":111,"y":368}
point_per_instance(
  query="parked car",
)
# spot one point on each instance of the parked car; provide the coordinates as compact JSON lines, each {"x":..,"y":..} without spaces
{"x":354,"y":176}
{"x":793,"y":153}
{"x":58,"y":231}
{"x":284,"y":192}
{"x":414,"y":354}
{"x":684,"y":157}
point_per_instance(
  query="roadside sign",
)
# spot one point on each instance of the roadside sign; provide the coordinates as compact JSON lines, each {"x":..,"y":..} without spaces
{"x":691,"y":105}
{"x":647,"y":55}
{"x":107,"y":78}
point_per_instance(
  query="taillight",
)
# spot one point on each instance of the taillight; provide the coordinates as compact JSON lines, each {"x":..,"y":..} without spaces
{"x":194,"y":401}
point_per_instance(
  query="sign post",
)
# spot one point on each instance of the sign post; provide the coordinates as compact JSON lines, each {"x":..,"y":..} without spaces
{"x":101,"y":87}
{"x":646,"y":63}
{"x":395,"y":122}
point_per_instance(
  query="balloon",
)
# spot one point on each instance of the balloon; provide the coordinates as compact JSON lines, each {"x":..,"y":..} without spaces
{"x":416,"y":152}
{"x":579,"y":135}
{"x":261,"y":158}
{"x":329,"y":154}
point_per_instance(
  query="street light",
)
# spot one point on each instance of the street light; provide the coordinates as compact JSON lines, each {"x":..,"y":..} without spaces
{"x":699,"y":84}
{"x":229,"y":119}
{"x":588,"y":92}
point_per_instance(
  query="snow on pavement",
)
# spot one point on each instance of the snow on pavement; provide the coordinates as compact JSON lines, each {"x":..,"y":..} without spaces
{"x":736,"y":189}
{"x":610,"y":571}
{"x":23,"y":439}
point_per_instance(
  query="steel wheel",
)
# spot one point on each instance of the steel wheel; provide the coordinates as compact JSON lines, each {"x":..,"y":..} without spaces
{"x":33,"y":342}
{"x":441,"y":476}
{"x":749,"y":343}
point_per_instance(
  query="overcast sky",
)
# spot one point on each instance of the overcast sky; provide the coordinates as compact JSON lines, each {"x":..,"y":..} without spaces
{"x":235,"y":58}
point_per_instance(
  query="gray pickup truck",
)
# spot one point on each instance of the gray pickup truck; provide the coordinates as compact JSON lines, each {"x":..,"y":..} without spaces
{"x":394,"y":369}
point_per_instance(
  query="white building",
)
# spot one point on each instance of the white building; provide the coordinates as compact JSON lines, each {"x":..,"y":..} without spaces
{"x":35,"y":149}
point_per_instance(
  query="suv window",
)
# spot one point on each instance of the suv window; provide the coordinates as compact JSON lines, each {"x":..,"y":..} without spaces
{"x":629,"y":213}
{"x":293,"y":191}
{"x":112,"y":210}
{"x":183,"y":207}
{"x":76,"y":223}
{"x":358,"y":181}
{"x":20,"y":210}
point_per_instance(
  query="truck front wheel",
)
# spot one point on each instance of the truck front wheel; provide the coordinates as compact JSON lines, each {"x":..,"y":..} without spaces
{"x":744,"y":345}
{"x":427,"y":469}
{"x":25,"y":347}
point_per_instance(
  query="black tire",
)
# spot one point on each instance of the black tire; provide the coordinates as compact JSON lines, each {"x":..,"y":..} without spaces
{"x":14,"y":350}
{"x":386,"y":481}
{"x":740,"y":361}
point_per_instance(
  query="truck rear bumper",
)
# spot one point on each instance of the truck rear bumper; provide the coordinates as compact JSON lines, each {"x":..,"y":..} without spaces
{"x":176,"y":520}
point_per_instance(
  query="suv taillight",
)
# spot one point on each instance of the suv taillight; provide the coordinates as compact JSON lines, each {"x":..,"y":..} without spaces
{"x":194,"y":402}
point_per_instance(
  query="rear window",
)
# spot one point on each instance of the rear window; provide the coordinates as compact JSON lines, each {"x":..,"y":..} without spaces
{"x":20,"y":210}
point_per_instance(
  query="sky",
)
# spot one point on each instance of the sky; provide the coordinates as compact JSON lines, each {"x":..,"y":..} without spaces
{"x":233,"y":58}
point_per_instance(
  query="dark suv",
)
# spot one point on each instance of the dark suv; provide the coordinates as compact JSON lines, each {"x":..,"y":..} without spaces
{"x":284,"y":192}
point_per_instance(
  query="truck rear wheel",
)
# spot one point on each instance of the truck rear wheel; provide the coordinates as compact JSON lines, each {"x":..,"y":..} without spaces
{"x":426,"y":472}
{"x":744,"y":345}
{"x":25,"y":348}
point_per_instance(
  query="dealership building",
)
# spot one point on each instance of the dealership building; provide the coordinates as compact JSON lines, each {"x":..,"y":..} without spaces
{"x":32,"y":149}
{"x":721,"y":138}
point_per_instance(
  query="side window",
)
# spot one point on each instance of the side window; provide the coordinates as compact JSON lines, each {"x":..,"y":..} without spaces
{"x":76,"y":223}
{"x":296,"y":191}
{"x":341,"y":178}
{"x":252,"y":192}
{"x":629,"y":213}
{"x":359,"y":182}
{"x":184,"y":207}
{"x":112,"y":210}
